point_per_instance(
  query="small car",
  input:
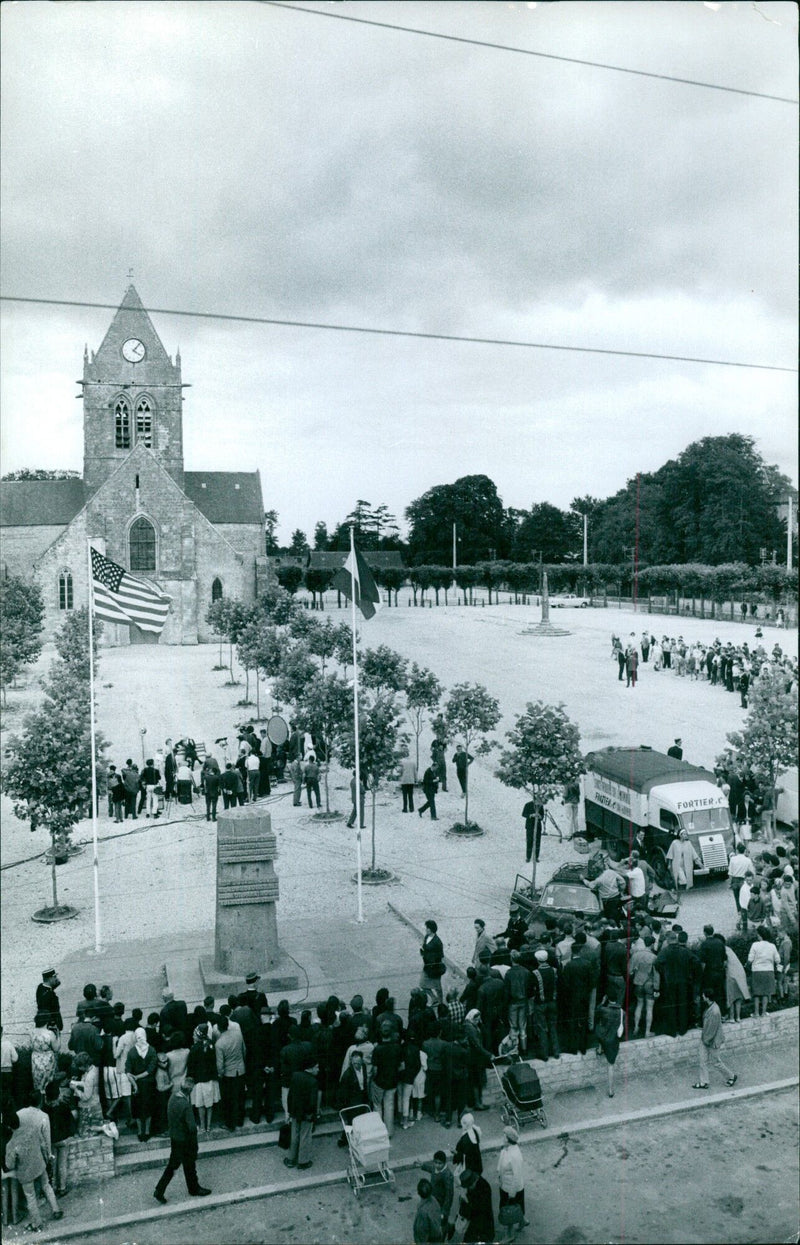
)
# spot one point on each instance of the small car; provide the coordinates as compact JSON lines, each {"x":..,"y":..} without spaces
{"x":565,"y":600}
{"x":564,"y":895}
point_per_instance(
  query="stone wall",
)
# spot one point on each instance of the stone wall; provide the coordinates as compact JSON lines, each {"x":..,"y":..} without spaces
{"x":89,"y":1158}
{"x":650,"y":1055}
{"x":21,"y":546}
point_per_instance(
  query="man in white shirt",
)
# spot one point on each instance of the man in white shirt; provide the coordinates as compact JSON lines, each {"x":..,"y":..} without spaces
{"x":739,"y":866}
{"x":637,"y":884}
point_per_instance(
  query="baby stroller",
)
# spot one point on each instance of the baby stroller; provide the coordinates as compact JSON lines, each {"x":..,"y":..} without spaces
{"x":522,"y":1093}
{"x":368,"y":1148}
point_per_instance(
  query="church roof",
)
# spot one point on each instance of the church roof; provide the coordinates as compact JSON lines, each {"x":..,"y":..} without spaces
{"x":226,"y":496}
{"x":40,"y":503}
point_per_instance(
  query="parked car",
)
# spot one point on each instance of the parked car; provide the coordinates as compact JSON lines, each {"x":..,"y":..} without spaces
{"x":565,"y":600}
{"x":563,"y":895}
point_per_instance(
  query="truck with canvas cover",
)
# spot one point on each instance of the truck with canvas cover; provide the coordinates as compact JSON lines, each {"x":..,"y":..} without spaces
{"x":636,"y":798}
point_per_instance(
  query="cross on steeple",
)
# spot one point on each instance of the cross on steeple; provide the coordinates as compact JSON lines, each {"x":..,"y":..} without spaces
{"x":130,"y":274}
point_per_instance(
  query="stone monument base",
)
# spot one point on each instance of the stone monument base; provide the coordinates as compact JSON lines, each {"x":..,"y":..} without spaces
{"x":282,"y":976}
{"x":545,"y":628}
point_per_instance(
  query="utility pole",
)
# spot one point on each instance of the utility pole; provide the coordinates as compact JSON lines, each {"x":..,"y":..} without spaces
{"x":455,"y":560}
{"x":789,"y":535}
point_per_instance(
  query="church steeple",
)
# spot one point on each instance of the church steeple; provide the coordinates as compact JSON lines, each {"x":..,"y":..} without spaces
{"x":131,"y":395}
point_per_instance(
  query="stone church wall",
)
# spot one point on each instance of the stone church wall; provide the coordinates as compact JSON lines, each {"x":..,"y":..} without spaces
{"x":21,"y":546}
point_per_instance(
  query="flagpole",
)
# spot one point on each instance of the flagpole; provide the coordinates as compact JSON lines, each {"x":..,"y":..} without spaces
{"x":357,"y":799}
{"x":95,"y":865}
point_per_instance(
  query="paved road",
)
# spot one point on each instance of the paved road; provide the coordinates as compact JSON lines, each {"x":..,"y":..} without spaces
{"x":726,"y":1174}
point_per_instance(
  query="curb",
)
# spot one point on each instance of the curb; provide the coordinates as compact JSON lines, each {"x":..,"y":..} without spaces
{"x":328,"y":1178}
{"x":401,"y":916}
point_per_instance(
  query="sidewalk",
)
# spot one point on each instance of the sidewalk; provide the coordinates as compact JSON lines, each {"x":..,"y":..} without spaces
{"x":236,"y":1174}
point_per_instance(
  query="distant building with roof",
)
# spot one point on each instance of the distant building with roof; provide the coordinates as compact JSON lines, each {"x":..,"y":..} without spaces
{"x":376,"y":560}
{"x":198,"y":534}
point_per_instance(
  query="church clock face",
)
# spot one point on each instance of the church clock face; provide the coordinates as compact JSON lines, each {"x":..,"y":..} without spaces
{"x":133,"y":350}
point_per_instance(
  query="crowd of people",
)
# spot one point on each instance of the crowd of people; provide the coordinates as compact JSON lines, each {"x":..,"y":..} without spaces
{"x":733,"y":667}
{"x":541,"y":989}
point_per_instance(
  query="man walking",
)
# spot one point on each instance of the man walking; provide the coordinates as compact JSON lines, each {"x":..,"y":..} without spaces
{"x":429,"y":786}
{"x":183,"y":1145}
{"x":302,"y":1112}
{"x":408,"y":777}
{"x":711,"y":1040}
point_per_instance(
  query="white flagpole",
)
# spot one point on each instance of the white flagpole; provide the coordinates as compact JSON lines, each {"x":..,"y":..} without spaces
{"x":360,"y":917}
{"x":95,"y":868}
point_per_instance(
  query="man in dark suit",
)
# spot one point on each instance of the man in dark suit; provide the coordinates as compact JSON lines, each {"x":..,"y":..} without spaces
{"x":47,"y":999}
{"x":676,"y":750}
{"x":302,"y":1107}
{"x":429,"y":786}
{"x":174,"y":1015}
{"x":183,"y":1142}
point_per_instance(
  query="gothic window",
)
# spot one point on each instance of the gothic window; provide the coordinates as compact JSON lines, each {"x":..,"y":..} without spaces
{"x":65,"y":601}
{"x":216,"y":590}
{"x":142,"y":546}
{"x":122,"y":424}
{"x":144,"y":422}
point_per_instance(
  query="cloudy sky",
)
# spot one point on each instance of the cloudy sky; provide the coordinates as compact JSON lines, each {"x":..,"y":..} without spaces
{"x":249,"y":159}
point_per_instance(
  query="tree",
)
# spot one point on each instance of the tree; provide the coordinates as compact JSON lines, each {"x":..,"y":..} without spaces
{"x":766,"y":746}
{"x":21,"y":626}
{"x":470,"y":713}
{"x":321,"y":537}
{"x":299,"y":544}
{"x":41,"y":473}
{"x":472,"y":503}
{"x":392,"y":578}
{"x":382,"y":746}
{"x":383,"y":671}
{"x":270,"y":528}
{"x":290,"y":578}
{"x":544,"y":754}
{"x":423,"y":693}
{"x":325,"y":705}
{"x":317,"y":581}
{"x":466,"y":577}
{"x":48,"y":772}
{"x":215,"y":617}
{"x":545,"y":531}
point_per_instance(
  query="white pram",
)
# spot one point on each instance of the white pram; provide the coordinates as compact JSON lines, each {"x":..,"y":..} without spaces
{"x":368,"y":1148}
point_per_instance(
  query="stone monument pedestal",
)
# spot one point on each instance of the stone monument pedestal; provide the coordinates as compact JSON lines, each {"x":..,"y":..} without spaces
{"x":545,"y":627}
{"x":246,"y":929}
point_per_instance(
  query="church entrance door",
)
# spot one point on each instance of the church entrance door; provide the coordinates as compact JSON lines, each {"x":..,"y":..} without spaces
{"x":142,"y":637}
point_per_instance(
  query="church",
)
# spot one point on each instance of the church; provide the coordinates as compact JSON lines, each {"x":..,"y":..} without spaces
{"x":198,"y":535}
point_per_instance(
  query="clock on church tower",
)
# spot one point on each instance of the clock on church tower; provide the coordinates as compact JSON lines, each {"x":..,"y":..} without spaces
{"x":131,"y":396}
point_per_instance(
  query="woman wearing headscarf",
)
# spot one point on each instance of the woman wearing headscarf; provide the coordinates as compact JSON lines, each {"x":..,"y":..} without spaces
{"x":85,"y":1084}
{"x":363,"y":1045}
{"x":467,"y":1152}
{"x":479,"y":1057}
{"x":45,"y":1046}
{"x":141,"y":1066}
{"x":511,"y":1179}
{"x":737,"y":990}
{"x":353,"y":1090}
{"x":608,"y":1028}
{"x":201,"y":1066}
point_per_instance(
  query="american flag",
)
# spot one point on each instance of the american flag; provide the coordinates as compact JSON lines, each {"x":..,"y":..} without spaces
{"x":122,"y":598}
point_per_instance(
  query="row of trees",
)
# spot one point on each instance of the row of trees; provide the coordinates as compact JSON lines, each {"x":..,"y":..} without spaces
{"x":716,"y":503}
{"x":717,"y":584}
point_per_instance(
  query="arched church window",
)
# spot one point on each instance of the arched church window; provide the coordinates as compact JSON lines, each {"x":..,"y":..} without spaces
{"x":122,"y":424}
{"x":142,"y":545}
{"x":65,"y":597}
{"x":216,"y":590}
{"x":144,"y":422}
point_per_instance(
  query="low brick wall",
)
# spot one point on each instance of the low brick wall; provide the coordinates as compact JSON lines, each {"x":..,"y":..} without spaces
{"x":654,"y":1054}
{"x":89,"y":1158}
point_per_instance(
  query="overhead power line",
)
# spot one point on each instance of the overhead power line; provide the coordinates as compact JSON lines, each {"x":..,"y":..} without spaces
{"x":549,"y":56}
{"x":376,"y":332}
